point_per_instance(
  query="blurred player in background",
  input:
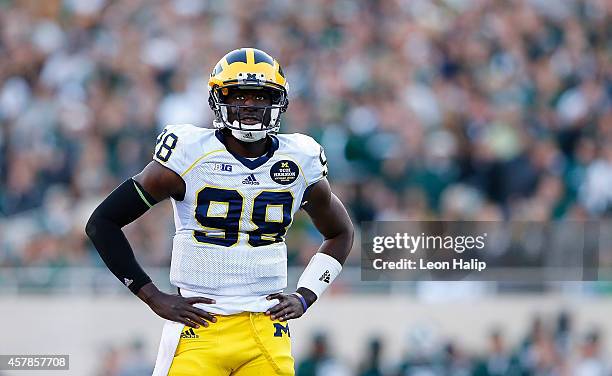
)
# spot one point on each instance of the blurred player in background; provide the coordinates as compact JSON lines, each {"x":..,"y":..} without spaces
{"x":234,"y":192}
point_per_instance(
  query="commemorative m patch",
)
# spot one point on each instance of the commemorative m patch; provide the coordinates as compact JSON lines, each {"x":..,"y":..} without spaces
{"x":284,"y":172}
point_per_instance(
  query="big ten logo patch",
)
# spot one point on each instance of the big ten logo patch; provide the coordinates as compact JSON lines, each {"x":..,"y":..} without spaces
{"x":284,"y":172}
{"x":279,"y":329}
{"x":225,"y":167}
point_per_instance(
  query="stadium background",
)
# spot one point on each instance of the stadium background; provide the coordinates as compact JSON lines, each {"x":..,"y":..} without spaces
{"x":451,"y":109}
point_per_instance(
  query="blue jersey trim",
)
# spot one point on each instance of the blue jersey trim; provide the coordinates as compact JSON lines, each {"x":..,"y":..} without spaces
{"x":251,"y":164}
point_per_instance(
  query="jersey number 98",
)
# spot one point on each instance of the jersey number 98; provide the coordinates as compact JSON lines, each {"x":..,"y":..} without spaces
{"x":166,"y":142}
{"x":267,"y":231}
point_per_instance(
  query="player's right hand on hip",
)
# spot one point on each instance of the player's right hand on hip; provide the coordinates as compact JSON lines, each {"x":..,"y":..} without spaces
{"x":181,"y":309}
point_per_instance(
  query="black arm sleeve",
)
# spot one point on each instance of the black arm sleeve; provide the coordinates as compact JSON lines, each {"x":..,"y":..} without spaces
{"x":124,"y":205}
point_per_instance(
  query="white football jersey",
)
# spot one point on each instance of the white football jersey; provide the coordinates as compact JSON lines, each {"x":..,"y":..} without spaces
{"x":231,"y":224}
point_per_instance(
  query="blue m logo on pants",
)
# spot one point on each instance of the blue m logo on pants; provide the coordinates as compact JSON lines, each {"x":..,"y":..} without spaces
{"x":280,"y":329}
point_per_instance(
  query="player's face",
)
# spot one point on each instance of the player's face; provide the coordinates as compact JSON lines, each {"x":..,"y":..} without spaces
{"x":250,"y":98}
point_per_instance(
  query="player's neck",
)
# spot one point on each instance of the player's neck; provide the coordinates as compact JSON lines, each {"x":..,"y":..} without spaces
{"x":245,"y":149}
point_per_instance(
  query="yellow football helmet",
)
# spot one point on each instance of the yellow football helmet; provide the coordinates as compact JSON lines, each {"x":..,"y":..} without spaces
{"x":248,"y":68}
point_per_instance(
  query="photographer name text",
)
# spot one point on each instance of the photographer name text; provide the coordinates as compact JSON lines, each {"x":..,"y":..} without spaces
{"x":405,"y":264}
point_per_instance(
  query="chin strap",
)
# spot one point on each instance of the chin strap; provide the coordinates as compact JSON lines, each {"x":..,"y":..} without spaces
{"x":249,"y":135}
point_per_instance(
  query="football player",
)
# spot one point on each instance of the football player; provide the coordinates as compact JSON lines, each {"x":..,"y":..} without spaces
{"x":234,"y":190}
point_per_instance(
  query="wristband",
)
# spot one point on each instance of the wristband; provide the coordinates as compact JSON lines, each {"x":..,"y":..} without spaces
{"x":320,"y":273}
{"x":299,"y":296}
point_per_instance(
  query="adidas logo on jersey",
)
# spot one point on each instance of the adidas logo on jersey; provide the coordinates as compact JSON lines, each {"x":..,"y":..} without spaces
{"x":250,"y":180}
{"x":189,"y":333}
{"x":325,"y":277}
{"x":127,"y":282}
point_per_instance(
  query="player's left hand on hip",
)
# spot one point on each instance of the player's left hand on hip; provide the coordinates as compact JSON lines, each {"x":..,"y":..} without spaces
{"x":289,"y":307}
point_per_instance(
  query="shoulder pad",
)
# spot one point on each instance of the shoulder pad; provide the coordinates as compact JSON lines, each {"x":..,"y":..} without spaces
{"x":179,"y":145}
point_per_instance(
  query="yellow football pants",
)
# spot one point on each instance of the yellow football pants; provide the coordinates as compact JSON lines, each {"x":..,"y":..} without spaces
{"x":245,"y":344}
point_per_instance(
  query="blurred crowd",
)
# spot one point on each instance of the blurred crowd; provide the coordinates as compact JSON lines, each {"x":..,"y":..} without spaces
{"x":549,"y":348}
{"x":453,"y":109}
{"x":543,"y":351}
